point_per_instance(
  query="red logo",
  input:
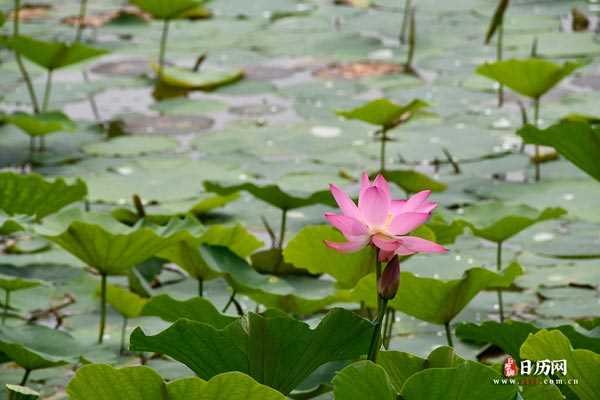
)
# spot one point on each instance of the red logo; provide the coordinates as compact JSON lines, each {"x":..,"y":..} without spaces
{"x":510,"y":367}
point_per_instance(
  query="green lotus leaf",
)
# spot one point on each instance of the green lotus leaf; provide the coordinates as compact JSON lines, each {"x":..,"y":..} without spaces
{"x":306,"y":250}
{"x":52,"y":55}
{"x":187,"y":253}
{"x":196,"y":309}
{"x":510,"y":335}
{"x":32,"y":195}
{"x":42,"y":124}
{"x":34,"y":347}
{"x":166,"y":9}
{"x":273,"y":195}
{"x":127,"y":303}
{"x":445,"y":233}
{"x":589,"y":323}
{"x":363,"y":380}
{"x":439,"y":301}
{"x":497,"y":221}
{"x":2,"y":19}
{"x":294,"y":294}
{"x":129,"y":146}
{"x":161,"y":215}
{"x":106,"y":245}
{"x":413,"y":182}
{"x":10,"y":225}
{"x":583,"y":365}
{"x":16,"y":392}
{"x":384,"y":113}
{"x":277,"y":351}
{"x":468,"y":380}
{"x":13,"y":284}
{"x":578,"y":142}
{"x":205,"y":79}
{"x":103,"y":382}
{"x":533,"y":77}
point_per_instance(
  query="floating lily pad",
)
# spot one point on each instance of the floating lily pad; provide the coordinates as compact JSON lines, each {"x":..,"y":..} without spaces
{"x":167,"y":9}
{"x":277,"y":351}
{"x":32,"y":195}
{"x":131,"y":146}
{"x":204,"y":79}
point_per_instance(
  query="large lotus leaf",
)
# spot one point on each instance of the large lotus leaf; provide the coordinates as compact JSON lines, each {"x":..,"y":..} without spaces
{"x":196,"y":309}
{"x":42,"y":124}
{"x":105,"y":244}
{"x":11,"y":283}
{"x":9,"y":225}
{"x":469,"y":380}
{"x":273,"y":195}
{"x":439,"y":301}
{"x":384,"y":113}
{"x":205,"y":79}
{"x":363,"y":380}
{"x":294,"y":294}
{"x":187,"y":253}
{"x":166,"y":9}
{"x":306,"y":250}
{"x":127,"y":303}
{"x":277,"y":351}
{"x":103,"y":382}
{"x":532,"y":77}
{"x":583,"y":365}
{"x":16,"y":392}
{"x":510,"y":335}
{"x":53,"y":55}
{"x":161,"y":215}
{"x":413,"y":182}
{"x":497,"y":221}
{"x":578,"y":142}
{"x":401,"y":366}
{"x":32,"y":195}
{"x":36,"y":347}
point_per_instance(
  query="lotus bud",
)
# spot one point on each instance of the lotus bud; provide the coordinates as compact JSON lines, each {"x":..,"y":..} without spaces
{"x":387,"y":287}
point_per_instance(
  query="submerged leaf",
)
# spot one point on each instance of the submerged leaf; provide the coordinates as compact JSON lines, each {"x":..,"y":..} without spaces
{"x":578,"y":142}
{"x":277,"y":351}
{"x":32,"y":195}
{"x":533,"y":77}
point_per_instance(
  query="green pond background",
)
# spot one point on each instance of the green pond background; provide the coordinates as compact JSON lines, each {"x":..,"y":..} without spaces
{"x":279,"y":125}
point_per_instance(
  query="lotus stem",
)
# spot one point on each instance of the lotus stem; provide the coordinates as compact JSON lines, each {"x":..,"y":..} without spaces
{"x":388,"y":326}
{"x":407,"y":8}
{"x":102,"y":308}
{"x":377,"y":277}
{"x":536,"y":121}
{"x":448,"y":334}
{"x":412,"y":40}
{"x":163,"y":48}
{"x":123,"y":335}
{"x":375,"y":339}
{"x":499,"y":268}
{"x":499,"y":56}
{"x":6,"y":306}
{"x":282,"y":228}
{"x":19,"y":59}
{"x":25,"y":377}
{"x":81,"y":25}
{"x":200,"y":287}
{"x":384,"y":140}
{"x":230,"y":301}
{"x":47,"y":91}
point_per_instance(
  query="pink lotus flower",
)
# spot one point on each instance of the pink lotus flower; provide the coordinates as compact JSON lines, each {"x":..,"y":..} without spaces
{"x":380,"y":221}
